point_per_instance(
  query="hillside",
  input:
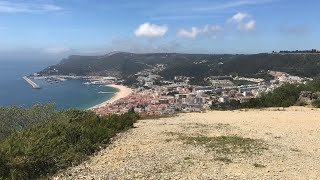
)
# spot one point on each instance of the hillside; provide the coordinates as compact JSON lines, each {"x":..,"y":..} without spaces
{"x":37,"y":142}
{"x":244,"y":144}
{"x":123,"y":64}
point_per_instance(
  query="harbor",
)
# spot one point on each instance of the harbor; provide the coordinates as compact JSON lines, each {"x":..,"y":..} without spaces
{"x":33,"y":84}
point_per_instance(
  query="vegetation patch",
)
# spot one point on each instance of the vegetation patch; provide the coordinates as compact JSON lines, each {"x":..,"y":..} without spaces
{"x":228,"y":144}
{"x":295,"y":150}
{"x":174,"y":134}
{"x":153,"y":117}
{"x":65,"y":139}
{"x":257,"y":165}
{"x":316,"y":103}
{"x":223,"y":159}
{"x":14,"y":119}
{"x":222,"y":126}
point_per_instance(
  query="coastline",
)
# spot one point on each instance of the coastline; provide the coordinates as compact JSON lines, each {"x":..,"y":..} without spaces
{"x":122,"y":92}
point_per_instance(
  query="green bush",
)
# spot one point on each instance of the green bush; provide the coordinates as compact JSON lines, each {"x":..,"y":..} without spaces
{"x":316,"y":103}
{"x":313,"y":85}
{"x":4,"y":170}
{"x":14,"y":119}
{"x":284,"y":96}
{"x":65,"y":140}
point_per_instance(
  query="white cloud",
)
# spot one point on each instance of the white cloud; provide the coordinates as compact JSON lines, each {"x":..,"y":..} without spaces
{"x":206,"y":28}
{"x":244,"y":21}
{"x":216,"y":28}
{"x":211,"y":28}
{"x":56,"y":50}
{"x":193,"y":33}
{"x":239,"y":21}
{"x":151,"y":30}
{"x":239,"y":17}
{"x":249,"y":26}
{"x":16,"y":7}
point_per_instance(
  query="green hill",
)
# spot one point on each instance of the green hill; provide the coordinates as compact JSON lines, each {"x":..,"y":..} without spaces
{"x":196,"y":65}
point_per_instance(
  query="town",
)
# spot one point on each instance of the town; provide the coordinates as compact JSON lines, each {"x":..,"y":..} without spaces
{"x":153,"y":96}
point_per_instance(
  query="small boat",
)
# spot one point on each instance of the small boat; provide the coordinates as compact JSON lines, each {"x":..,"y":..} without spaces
{"x":87,"y":83}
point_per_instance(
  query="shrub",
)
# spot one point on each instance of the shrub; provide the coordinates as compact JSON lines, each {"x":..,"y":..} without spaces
{"x":4,"y":170}
{"x":14,"y":119}
{"x":64,"y":140}
{"x":284,"y":96}
{"x":316,"y":103}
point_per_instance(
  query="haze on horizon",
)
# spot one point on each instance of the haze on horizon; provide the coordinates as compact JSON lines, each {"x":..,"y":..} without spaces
{"x":52,"y":29}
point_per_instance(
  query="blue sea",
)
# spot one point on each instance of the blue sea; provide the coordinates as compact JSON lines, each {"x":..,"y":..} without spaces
{"x":68,"y":94}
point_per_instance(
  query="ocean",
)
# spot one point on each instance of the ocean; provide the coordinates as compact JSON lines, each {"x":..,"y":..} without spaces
{"x":68,"y":94}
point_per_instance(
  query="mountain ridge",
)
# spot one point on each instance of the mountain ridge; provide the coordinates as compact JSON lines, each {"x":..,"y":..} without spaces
{"x":126,"y":64}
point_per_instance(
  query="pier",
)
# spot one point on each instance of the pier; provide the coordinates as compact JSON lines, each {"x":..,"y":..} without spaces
{"x":33,"y":84}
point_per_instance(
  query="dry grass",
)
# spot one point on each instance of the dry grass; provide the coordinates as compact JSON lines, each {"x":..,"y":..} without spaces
{"x":228,"y":144}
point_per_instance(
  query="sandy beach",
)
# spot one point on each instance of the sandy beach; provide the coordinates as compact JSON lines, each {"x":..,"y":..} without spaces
{"x":122,"y":92}
{"x":157,"y":149}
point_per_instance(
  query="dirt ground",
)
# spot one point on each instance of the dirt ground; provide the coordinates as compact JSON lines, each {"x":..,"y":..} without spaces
{"x":170,"y":148}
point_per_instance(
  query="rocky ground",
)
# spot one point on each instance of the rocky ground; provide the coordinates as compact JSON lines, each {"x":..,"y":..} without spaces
{"x":282,"y":143}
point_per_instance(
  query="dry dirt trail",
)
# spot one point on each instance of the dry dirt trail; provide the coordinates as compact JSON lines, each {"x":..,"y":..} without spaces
{"x":164,"y":148}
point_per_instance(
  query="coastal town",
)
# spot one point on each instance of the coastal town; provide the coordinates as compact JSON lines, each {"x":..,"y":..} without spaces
{"x":154,"y":96}
{"x":149,"y":94}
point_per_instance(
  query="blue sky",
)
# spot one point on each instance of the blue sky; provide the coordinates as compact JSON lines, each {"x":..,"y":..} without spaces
{"x":47,"y":29}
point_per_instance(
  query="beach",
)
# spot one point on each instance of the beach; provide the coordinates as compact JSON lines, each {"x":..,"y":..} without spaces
{"x":122,"y":92}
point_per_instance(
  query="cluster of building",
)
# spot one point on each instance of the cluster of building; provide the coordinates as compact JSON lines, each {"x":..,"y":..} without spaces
{"x":282,"y":77}
{"x":152,"y":99}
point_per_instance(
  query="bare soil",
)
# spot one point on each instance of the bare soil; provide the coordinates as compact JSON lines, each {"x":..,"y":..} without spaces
{"x":285,"y":142}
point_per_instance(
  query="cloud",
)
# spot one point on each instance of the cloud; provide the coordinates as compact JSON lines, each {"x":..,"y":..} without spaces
{"x":193,"y":33}
{"x":244,"y":21}
{"x":239,"y":17}
{"x":17,"y":7}
{"x":211,"y":28}
{"x":249,"y":26}
{"x":196,"y":31}
{"x":151,"y":30}
{"x":56,"y":50}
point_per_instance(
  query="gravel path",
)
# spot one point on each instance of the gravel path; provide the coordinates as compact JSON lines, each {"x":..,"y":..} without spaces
{"x":155,"y":149}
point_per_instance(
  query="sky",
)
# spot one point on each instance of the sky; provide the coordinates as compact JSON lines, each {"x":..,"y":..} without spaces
{"x":53,"y":29}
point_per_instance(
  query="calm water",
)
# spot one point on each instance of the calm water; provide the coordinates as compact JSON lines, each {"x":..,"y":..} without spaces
{"x":68,"y":94}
